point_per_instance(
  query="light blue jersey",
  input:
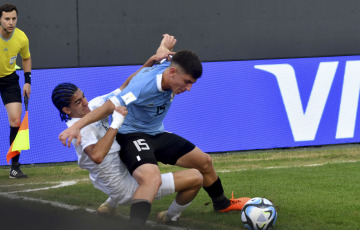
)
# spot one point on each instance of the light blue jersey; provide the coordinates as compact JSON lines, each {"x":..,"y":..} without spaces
{"x":146,"y":102}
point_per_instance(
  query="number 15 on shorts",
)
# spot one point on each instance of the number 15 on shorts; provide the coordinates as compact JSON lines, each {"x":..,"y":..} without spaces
{"x":140,"y":144}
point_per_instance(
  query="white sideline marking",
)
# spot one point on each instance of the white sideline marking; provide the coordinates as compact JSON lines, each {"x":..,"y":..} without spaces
{"x":11,"y":195}
{"x":53,"y":203}
{"x":62,"y":184}
{"x":46,"y":182}
{"x":285,"y":167}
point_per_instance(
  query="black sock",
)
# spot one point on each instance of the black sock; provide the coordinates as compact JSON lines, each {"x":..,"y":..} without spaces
{"x":13,"y":132}
{"x":139,"y":212}
{"x":216,"y":193}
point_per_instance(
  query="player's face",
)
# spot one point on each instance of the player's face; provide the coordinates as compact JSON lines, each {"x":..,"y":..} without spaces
{"x":8,"y":21}
{"x":180,"y":82}
{"x":79,"y":105}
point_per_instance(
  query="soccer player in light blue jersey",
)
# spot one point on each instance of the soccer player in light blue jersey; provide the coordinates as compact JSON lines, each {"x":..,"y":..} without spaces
{"x":142,"y":137}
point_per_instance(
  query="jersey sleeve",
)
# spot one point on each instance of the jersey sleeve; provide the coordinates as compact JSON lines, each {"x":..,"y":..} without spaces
{"x":88,"y":136}
{"x":129,"y":95}
{"x":25,"y":50}
{"x":99,"y":101}
{"x":142,"y":84}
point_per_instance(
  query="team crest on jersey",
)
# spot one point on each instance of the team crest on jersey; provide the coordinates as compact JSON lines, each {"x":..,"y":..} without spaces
{"x":12,"y":60}
{"x":128,"y":98}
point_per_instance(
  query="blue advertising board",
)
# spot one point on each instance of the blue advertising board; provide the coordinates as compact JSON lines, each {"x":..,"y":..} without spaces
{"x":234,"y":106}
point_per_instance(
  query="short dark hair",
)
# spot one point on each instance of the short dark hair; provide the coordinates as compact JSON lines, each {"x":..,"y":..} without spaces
{"x":8,"y":8}
{"x":189,"y":62}
{"x":61,"y":97}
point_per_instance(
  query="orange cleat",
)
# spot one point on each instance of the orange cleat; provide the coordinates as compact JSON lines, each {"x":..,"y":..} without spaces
{"x":236,"y":204}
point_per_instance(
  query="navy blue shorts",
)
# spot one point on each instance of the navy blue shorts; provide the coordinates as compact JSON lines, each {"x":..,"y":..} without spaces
{"x":140,"y":148}
{"x":10,"y":89}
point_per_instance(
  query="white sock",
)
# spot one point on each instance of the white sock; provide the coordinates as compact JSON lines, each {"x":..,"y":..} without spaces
{"x":175,"y":210}
{"x":111,"y":202}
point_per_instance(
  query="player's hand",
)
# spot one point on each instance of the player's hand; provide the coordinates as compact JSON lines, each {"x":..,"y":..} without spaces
{"x":168,"y":42}
{"x":165,"y":49}
{"x":118,"y":117}
{"x":67,"y":135}
{"x":27,"y":90}
{"x":122,"y":110}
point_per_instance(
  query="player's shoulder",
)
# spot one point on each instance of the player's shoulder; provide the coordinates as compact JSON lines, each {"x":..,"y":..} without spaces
{"x":161,"y":66}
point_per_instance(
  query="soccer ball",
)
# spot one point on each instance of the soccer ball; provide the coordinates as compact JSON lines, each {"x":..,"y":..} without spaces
{"x":258,"y":214}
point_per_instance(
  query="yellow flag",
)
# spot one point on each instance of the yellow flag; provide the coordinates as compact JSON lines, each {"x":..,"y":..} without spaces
{"x":22,"y":141}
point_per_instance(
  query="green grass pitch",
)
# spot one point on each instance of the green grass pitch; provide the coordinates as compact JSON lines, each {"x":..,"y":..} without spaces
{"x":312,"y":188}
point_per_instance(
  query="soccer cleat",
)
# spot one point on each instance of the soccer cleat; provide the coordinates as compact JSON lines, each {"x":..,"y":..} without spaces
{"x":162,"y":217}
{"x":106,"y":210}
{"x":236,"y":204}
{"x":15,"y":172}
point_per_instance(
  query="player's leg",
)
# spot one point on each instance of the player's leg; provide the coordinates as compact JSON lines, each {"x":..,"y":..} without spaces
{"x":149,"y":180}
{"x":185,"y":154}
{"x":187,"y":183}
{"x":137,"y":152}
{"x":199,"y":160}
{"x":212,"y":183}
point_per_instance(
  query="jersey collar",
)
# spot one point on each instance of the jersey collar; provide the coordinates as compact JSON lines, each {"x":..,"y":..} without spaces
{"x":158,"y":82}
{"x":6,"y":40}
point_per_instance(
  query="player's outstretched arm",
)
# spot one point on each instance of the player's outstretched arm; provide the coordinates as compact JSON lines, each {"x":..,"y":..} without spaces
{"x":74,"y":131}
{"x":164,"y":51}
{"x":97,"y":152}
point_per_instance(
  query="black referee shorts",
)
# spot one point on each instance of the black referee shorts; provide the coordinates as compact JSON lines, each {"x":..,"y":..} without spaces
{"x":10,"y":89}
{"x":140,"y":148}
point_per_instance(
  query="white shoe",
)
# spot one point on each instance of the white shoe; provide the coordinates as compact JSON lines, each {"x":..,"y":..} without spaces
{"x":162,"y":217}
{"x":106,"y":210}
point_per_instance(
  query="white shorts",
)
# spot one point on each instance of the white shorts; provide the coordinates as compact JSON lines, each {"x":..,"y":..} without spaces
{"x":116,"y":181}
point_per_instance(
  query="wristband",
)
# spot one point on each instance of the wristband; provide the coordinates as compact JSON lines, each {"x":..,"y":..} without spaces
{"x":27,"y":76}
{"x":116,"y":91}
{"x":117,"y":120}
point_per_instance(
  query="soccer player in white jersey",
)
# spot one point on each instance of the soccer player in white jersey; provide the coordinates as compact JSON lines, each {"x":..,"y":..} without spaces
{"x":142,"y":138}
{"x":98,"y":152}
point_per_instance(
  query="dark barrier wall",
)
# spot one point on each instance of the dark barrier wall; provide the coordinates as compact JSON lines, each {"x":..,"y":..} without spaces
{"x":75,"y":33}
{"x":259,"y":104}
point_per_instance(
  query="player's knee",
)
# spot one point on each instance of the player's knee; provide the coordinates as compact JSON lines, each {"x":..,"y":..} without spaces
{"x":149,"y":177}
{"x":197,"y":178}
{"x":206,"y":164}
{"x":156,"y":181}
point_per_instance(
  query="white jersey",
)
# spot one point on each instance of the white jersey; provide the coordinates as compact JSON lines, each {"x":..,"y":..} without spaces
{"x":111,"y":176}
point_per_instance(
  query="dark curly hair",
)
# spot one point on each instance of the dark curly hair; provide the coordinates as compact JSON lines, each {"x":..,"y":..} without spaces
{"x":61,"y":97}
